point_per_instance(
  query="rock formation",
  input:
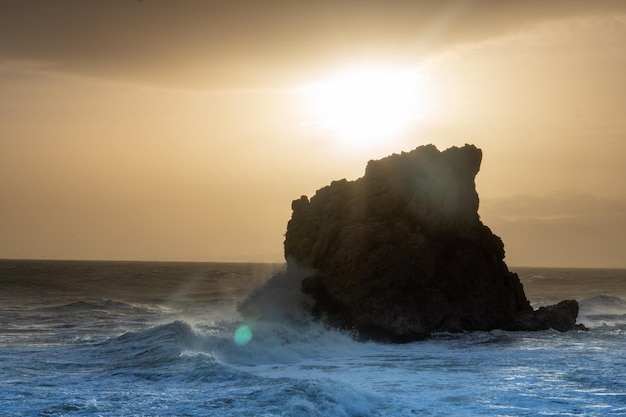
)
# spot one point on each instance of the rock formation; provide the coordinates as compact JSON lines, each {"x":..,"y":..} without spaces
{"x":401,"y":252}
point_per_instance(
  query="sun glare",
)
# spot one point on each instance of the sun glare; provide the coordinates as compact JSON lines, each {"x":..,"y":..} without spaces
{"x":366,"y":106}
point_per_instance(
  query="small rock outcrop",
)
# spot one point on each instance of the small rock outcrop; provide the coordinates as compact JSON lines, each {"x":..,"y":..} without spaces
{"x":561,"y":316}
{"x":401,"y":252}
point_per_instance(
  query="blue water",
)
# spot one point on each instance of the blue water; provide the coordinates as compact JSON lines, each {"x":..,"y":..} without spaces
{"x":156,"y":339}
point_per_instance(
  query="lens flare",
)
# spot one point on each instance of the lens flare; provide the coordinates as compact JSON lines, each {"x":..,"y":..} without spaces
{"x":243,"y":335}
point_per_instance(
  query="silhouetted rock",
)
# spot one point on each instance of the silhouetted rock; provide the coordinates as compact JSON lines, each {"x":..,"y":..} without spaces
{"x":401,"y":252}
{"x":561,"y":316}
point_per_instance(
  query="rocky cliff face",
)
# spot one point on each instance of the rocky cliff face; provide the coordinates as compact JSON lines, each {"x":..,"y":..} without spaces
{"x":401,"y":252}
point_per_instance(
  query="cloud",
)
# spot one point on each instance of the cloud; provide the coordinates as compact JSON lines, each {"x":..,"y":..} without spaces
{"x":562,"y":229}
{"x":560,"y":205}
{"x":249,"y":43}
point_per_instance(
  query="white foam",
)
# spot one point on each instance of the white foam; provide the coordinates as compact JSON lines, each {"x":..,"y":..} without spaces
{"x":603,"y":311}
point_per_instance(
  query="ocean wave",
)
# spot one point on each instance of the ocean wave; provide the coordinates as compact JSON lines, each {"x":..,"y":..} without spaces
{"x":209,"y":350}
{"x":103,"y":305}
{"x":294,"y":337}
{"x":603,"y":311}
{"x":295,"y":368}
{"x":270,"y":342}
{"x":288,"y":397}
{"x":177,"y":351}
{"x":158,"y":345}
{"x":288,"y":340}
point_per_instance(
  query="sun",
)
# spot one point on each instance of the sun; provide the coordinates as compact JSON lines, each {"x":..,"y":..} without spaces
{"x":362,"y":107}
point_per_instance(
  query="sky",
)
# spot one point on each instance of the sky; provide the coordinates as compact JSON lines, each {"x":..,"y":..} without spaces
{"x":182,"y":130}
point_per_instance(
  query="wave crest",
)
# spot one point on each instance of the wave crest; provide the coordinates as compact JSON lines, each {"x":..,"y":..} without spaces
{"x":603,"y":311}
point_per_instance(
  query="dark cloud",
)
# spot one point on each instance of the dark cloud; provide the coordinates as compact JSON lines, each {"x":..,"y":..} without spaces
{"x":252,"y":43}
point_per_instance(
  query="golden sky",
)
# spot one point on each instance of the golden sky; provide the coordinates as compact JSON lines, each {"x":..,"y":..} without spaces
{"x":182,"y":130}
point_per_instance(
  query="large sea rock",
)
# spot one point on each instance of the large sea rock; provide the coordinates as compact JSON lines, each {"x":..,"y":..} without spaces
{"x":401,"y":253}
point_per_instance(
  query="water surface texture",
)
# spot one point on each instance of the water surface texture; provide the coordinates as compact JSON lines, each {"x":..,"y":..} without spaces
{"x":158,"y":339}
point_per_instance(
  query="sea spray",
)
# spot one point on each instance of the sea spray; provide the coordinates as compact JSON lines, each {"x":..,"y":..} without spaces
{"x":279,"y":298}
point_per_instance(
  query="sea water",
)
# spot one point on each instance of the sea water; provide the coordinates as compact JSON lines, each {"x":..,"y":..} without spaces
{"x":159,"y":339}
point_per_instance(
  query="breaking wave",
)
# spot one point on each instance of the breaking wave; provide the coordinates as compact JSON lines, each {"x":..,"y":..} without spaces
{"x":603,"y":311}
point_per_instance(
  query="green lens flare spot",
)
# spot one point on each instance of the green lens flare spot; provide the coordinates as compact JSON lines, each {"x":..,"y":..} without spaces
{"x":243,"y":335}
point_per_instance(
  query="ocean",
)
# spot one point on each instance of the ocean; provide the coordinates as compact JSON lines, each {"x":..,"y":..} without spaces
{"x":166,"y":339}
